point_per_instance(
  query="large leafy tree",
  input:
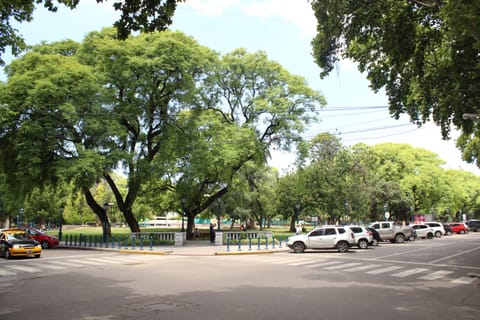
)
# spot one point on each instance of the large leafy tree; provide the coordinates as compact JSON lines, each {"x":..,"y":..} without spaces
{"x":79,"y":116}
{"x":424,"y":53}
{"x":136,"y":15}
{"x":249,"y":105}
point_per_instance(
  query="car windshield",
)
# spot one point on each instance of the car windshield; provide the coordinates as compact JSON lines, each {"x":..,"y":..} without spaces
{"x":18,"y":236}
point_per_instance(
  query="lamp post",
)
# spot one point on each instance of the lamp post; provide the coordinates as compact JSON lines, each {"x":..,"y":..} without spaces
{"x":297,"y":212}
{"x":60,"y":225}
{"x":218,"y":216}
{"x":20,"y":216}
{"x":183,"y":214}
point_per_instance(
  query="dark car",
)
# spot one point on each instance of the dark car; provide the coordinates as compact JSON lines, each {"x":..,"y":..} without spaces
{"x":47,"y":241}
{"x":376,"y":236}
{"x":448,"y":230}
{"x":474,"y":225}
{"x":18,"y":243}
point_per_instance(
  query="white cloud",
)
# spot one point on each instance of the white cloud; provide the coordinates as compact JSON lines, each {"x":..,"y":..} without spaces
{"x":212,"y":7}
{"x":299,"y":13}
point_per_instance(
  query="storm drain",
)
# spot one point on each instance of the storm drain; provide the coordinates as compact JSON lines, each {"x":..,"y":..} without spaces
{"x":165,"y":305}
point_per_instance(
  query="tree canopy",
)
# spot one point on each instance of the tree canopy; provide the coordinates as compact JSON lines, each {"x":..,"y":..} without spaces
{"x":136,"y":15}
{"x":424,"y":53}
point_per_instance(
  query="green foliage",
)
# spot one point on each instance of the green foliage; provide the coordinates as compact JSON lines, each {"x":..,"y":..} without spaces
{"x":136,"y":15}
{"x":423,"y":53}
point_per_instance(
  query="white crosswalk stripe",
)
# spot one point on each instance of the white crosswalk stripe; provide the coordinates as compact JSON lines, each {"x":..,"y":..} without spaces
{"x":409,"y":272}
{"x":324,"y":264}
{"x":24,"y":268}
{"x":84,"y":261}
{"x":53,"y":267}
{"x":435,"y":275}
{"x":342,"y":266}
{"x":384,"y":270}
{"x":464,"y":280}
{"x":4,"y":273}
{"x":303,"y":263}
{"x":363,"y":267}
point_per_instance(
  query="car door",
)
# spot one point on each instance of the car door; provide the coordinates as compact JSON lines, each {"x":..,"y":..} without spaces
{"x":315,"y":238}
{"x":329,"y":240}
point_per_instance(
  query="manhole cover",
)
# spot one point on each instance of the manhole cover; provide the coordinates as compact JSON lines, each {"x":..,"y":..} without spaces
{"x":160,"y":306}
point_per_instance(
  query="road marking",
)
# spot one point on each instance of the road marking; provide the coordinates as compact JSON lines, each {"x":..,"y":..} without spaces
{"x":65,"y":263}
{"x":435,"y":275}
{"x":464,"y":280}
{"x":4,"y":272}
{"x":342,"y":266}
{"x":24,"y":268}
{"x":108,"y":260}
{"x":302,"y":263}
{"x":384,"y":270}
{"x":364,"y":267}
{"x":323,"y":264}
{"x":409,"y":272}
{"x":79,"y":262}
{"x":288,"y":260}
{"x":54,"y":267}
{"x":454,"y":255}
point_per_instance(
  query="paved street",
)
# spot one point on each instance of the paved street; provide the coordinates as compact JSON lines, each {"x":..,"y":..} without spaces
{"x":425,"y":279}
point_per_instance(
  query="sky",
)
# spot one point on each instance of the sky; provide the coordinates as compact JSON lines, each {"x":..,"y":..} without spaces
{"x":284,"y":30}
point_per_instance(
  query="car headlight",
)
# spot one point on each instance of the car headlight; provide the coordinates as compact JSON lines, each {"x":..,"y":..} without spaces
{"x":38,"y":246}
{"x":16,"y":246}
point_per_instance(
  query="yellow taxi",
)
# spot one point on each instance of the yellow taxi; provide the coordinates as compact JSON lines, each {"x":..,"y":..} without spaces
{"x":18,"y":243}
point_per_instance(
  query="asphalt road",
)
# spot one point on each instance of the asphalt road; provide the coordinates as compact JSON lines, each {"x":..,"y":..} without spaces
{"x":425,"y":279}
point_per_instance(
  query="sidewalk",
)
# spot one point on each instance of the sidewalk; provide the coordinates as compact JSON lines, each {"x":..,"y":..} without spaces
{"x":191,"y":248}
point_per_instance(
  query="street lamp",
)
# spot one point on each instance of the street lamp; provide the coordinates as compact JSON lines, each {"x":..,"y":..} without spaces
{"x":183,"y":214}
{"x":297,"y":212}
{"x":60,"y":225}
{"x":20,"y":216}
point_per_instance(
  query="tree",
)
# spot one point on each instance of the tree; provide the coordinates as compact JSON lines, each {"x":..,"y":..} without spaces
{"x":79,"y":116}
{"x":136,"y":15}
{"x":424,"y":53}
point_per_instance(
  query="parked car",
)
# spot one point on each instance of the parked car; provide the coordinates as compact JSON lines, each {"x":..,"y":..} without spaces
{"x":325,"y":237}
{"x":423,"y":231}
{"x":47,"y":241}
{"x":375,"y":235}
{"x":363,"y":237}
{"x":458,"y":227}
{"x":448,"y":229}
{"x":438,"y":229}
{"x":393,"y":233}
{"x":18,"y":243}
{"x":474,"y":225}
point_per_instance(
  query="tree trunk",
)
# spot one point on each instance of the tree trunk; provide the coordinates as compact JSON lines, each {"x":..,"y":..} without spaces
{"x":131,"y":221}
{"x":292,"y":224}
{"x":100,"y":212}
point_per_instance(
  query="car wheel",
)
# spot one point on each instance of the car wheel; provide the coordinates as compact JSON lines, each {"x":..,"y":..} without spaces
{"x":37,"y":256}
{"x":7,"y":254}
{"x":438,"y":234}
{"x":45,"y":244}
{"x":298,"y":247}
{"x":342,"y":246}
{"x":362,"y":244}
{"x":399,"y":238}
{"x":430,"y":236}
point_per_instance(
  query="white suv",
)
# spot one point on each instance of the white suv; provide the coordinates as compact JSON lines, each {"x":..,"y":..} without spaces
{"x":437,"y":227}
{"x":423,"y":231}
{"x":363,"y":236}
{"x":325,"y":237}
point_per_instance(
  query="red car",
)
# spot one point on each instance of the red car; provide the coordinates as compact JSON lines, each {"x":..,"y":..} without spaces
{"x":458,"y":227}
{"x":45,"y":240}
